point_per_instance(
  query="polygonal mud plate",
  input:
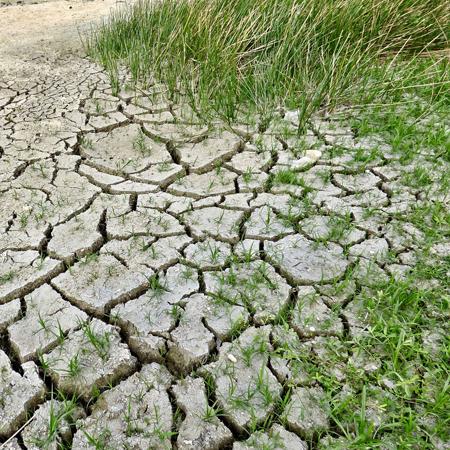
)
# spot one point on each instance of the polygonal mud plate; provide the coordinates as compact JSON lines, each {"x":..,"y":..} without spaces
{"x":305,"y":262}
{"x":135,"y":414}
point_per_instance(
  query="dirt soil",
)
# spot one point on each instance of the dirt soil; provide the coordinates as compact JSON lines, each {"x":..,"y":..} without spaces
{"x":30,"y":31}
{"x":206,"y":287}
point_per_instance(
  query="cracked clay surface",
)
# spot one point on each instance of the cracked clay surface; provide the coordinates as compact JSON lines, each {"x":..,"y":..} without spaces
{"x":159,"y":270}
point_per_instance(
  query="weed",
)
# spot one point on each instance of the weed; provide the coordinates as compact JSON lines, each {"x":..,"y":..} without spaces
{"x":308,"y":54}
{"x":156,"y":288}
{"x":100,"y":341}
{"x":140,"y":144}
{"x":60,"y":415}
{"x":86,"y":142}
{"x":7,"y":277}
{"x":74,"y":368}
{"x":99,"y":442}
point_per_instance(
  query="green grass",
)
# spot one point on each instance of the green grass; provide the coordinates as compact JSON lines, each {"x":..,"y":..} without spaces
{"x":415,"y":382}
{"x":381,"y":60}
{"x":226,"y":56}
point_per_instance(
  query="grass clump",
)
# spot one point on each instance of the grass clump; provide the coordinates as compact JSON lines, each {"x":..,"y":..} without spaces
{"x":229,"y":55}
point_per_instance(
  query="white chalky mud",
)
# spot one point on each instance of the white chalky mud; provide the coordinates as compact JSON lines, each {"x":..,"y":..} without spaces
{"x":164,"y":281}
{"x":276,"y":437}
{"x":135,"y":414}
{"x":196,"y":432}
{"x":44,"y":433}
{"x":245,"y":387}
{"x":18,"y":393}
{"x":89,"y":359}
{"x":47,"y":320}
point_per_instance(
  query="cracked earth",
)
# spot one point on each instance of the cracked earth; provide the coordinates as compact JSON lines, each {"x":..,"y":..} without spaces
{"x":159,"y":270}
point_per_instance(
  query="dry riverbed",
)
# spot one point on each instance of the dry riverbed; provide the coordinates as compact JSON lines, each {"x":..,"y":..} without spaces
{"x":164,"y":284}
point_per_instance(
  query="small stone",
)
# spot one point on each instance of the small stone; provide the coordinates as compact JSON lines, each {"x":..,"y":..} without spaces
{"x":309,"y":159}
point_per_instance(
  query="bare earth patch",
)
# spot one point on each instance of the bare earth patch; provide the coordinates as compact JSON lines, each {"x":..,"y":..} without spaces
{"x":193,"y":288}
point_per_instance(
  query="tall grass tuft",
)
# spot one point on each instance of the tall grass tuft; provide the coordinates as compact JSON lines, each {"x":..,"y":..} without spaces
{"x":229,"y":55}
